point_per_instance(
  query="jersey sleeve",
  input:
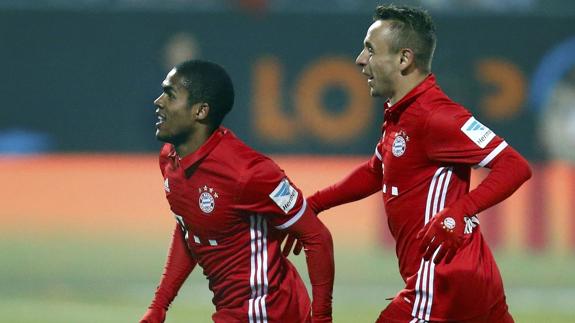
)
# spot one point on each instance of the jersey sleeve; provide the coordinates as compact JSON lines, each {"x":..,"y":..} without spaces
{"x":318,"y":247}
{"x":376,"y":159}
{"x":179,"y":265}
{"x":453,"y":135}
{"x":265,"y":189}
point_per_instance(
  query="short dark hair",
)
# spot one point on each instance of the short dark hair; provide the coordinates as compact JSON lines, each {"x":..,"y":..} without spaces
{"x":413,"y":28}
{"x":208,"y":82}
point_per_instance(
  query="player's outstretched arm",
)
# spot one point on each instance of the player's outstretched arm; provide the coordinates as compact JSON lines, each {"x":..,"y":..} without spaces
{"x":318,"y":245}
{"x":178,"y":267}
{"x":362,"y":182}
{"x":509,"y":170}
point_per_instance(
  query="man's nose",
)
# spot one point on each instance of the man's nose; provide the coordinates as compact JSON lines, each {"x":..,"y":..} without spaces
{"x":361,"y":58}
{"x":157,"y":102}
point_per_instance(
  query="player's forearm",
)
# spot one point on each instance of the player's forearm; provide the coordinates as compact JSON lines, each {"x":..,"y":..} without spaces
{"x":319,"y":257}
{"x":360,"y":183}
{"x":178,"y":267}
{"x":508,"y":172}
{"x":318,"y":246}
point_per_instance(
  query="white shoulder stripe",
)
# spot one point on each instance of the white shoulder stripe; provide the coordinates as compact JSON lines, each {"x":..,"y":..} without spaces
{"x":377,"y":154}
{"x":294,"y":219}
{"x":492,"y":154}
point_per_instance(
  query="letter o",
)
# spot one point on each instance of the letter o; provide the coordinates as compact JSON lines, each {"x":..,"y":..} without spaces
{"x":333,"y":127}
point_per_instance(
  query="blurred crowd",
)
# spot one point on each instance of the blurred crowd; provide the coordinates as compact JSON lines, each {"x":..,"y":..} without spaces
{"x":545,"y":7}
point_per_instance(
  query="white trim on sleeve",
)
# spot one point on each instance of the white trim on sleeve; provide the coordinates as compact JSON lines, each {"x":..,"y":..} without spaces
{"x":294,"y":219}
{"x":492,"y":154}
{"x":377,"y":154}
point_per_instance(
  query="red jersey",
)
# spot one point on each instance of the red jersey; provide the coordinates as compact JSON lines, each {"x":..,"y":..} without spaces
{"x":427,"y":150}
{"x":231,"y":204}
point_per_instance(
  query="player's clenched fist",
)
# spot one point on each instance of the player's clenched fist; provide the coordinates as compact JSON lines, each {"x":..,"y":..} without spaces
{"x":154,"y":315}
{"x":444,"y":232}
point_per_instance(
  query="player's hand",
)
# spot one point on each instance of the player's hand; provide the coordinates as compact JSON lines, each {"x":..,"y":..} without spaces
{"x":444,"y":232}
{"x":154,"y":315}
{"x":290,"y":240}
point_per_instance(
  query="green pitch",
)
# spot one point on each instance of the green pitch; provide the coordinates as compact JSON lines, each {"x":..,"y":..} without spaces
{"x":108,"y":279}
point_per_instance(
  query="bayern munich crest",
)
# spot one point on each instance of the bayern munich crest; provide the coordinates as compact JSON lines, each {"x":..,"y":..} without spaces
{"x":399,"y":144}
{"x":449,"y":224}
{"x":207,"y":200}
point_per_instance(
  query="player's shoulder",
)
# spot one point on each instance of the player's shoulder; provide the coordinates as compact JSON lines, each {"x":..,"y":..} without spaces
{"x":245,"y":158}
{"x":258,"y":163}
{"x":253,"y":170}
{"x":443,"y":111}
{"x":435,"y":99}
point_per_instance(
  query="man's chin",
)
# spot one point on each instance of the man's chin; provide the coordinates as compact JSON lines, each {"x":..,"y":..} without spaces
{"x":376,"y":94}
{"x":162,"y":138}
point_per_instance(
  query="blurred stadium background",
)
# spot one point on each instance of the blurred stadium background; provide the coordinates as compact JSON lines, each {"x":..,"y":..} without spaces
{"x":84,"y":225}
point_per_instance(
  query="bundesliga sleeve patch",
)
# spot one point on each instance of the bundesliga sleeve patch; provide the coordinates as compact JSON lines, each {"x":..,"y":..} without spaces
{"x":478,"y":133}
{"x":285,"y":195}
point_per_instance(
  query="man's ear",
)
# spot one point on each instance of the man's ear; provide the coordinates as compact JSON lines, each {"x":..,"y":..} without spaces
{"x":406,"y":59}
{"x":202,"y":110}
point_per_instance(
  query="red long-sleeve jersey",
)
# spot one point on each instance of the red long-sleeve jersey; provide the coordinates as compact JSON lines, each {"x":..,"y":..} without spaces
{"x":422,"y":164}
{"x":233,"y":207}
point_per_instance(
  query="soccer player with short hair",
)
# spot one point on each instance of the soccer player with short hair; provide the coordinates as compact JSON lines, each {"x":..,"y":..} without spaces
{"x":422,"y":166}
{"x":233,"y":208}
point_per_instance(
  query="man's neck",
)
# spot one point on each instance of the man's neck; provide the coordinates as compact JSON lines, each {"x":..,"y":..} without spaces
{"x":408,"y":83}
{"x":194,"y":142}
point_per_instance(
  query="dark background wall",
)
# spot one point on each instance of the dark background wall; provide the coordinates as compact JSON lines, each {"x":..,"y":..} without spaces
{"x":77,"y":81}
